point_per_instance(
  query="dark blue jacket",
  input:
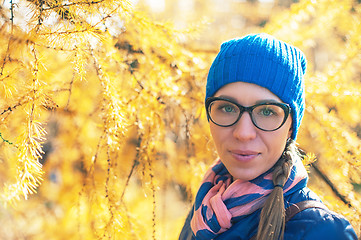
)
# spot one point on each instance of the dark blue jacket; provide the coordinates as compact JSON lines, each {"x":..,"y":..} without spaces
{"x":310,"y":224}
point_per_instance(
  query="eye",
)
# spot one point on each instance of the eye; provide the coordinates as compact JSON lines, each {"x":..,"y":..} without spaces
{"x":227,"y":108}
{"x":267,"y":111}
{"x":223,"y":108}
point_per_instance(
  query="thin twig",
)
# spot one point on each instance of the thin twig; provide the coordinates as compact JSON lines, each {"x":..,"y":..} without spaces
{"x":7,"y":55}
{"x":4,"y":140}
{"x":12,"y":15}
{"x":107,"y":196}
{"x":70,"y":89}
{"x":72,"y":4}
{"x":330,"y":184}
{"x":86,"y":29}
{"x":135,"y":164}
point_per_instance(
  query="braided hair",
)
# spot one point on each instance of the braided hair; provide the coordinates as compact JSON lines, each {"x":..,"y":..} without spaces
{"x":272,"y":221}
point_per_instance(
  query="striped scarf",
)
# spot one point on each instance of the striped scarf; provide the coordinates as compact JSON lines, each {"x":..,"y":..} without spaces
{"x":220,"y":200}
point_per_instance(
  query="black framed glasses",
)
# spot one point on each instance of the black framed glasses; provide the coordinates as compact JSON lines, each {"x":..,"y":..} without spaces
{"x":268,"y":116}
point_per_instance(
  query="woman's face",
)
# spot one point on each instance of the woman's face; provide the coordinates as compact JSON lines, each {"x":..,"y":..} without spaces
{"x":245,"y":150}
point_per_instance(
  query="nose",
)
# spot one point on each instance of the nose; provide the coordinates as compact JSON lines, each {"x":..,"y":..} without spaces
{"x":244,"y":130}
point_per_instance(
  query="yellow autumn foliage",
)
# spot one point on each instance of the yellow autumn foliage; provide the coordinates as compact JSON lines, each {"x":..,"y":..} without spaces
{"x":103,"y":134}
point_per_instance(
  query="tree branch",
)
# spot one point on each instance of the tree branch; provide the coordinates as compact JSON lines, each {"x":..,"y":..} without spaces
{"x":72,"y":4}
{"x":4,"y":140}
{"x":330,"y":184}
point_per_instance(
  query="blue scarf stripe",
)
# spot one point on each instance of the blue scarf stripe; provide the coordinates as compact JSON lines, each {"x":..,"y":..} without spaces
{"x":212,"y":222}
{"x":219,"y":169}
{"x":205,"y":234}
{"x":291,"y":178}
{"x":299,"y":185}
{"x":237,"y":201}
{"x":254,"y":215}
{"x":202,"y":192}
{"x":263,"y":183}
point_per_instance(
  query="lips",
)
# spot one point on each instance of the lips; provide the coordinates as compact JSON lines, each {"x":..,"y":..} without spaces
{"x":244,"y":155}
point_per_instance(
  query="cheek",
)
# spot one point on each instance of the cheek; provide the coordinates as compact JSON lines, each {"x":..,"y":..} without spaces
{"x":214,"y":132}
{"x":285,"y":131}
{"x":276,"y":141}
{"x":288,"y":126}
{"x":218,"y":134}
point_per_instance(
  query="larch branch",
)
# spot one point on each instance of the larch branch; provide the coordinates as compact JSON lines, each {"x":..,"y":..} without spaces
{"x":330,"y":184}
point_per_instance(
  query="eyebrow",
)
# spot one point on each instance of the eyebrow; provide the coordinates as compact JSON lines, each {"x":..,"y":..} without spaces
{"x":257,"y":102}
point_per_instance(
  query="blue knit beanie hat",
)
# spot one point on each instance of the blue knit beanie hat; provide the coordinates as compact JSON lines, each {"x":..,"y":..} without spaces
{"x":266,"y":61}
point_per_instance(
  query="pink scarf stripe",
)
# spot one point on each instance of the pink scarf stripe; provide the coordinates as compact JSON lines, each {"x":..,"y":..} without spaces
{"x":220,"y":199}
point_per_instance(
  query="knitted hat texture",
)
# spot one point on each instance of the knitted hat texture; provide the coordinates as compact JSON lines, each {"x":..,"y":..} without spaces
{"x":266,"y":61}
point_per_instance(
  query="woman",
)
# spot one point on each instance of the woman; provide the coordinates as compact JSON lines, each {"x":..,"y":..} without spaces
{"x":255,"y":104}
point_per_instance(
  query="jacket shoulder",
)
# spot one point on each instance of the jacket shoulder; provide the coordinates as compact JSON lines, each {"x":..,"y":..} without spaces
{"x":316,"y":223}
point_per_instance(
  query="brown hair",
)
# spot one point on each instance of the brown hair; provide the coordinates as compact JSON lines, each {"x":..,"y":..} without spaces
{"x":272,"y":222}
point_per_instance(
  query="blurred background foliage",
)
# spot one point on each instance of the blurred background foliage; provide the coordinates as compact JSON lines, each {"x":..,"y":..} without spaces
{"x":103,"y":131}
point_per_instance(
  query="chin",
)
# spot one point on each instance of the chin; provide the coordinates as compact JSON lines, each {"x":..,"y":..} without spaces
{"x":244,"y":176}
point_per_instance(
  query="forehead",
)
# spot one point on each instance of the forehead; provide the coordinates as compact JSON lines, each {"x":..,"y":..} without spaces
{"x":246,"y":93}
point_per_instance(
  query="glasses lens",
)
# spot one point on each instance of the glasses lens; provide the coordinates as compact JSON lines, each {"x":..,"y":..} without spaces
{"x":223,"y":113}
{"x":268,"y":117}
